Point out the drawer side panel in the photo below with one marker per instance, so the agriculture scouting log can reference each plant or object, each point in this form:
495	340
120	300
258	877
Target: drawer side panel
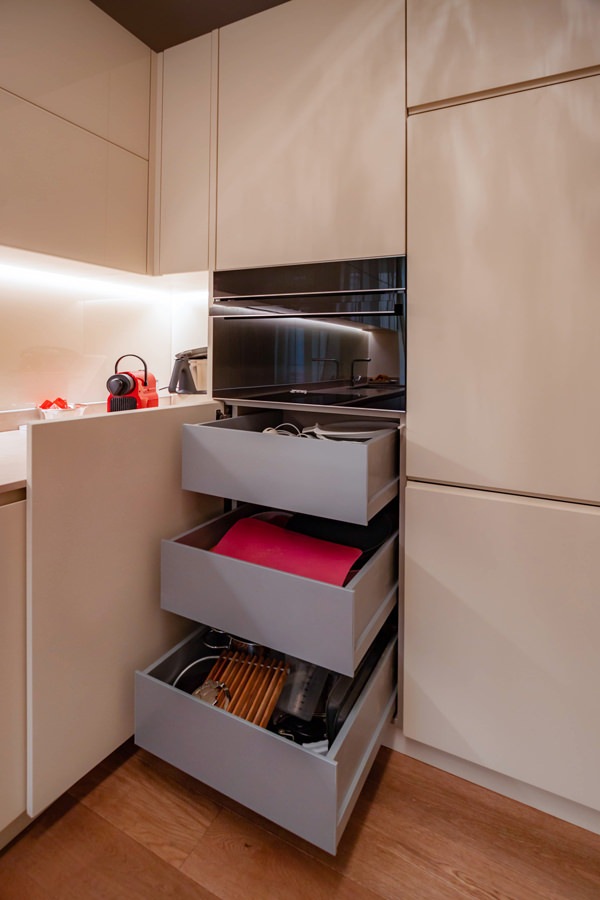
358	742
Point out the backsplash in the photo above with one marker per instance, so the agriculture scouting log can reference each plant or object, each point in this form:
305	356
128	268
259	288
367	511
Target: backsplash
64	324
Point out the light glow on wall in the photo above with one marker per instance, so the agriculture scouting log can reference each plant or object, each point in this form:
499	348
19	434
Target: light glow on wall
47	279
65	323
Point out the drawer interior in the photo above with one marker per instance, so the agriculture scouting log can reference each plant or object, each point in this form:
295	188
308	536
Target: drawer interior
246	459
313	712
308	792
329	624
366	538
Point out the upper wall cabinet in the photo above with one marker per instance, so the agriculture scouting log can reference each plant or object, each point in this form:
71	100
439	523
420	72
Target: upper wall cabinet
70	58
459	47
67	192
184	191
311	134
503	319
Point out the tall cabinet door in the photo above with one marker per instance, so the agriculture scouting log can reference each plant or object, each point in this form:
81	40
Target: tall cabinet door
502	632
311	133
185	159
503	319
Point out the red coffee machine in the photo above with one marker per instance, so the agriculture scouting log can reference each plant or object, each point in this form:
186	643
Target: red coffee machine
131	390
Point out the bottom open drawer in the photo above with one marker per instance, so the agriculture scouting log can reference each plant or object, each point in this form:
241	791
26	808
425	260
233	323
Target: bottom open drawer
309	794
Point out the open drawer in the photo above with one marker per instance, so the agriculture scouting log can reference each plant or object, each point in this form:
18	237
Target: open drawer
309	794
321	623
349	480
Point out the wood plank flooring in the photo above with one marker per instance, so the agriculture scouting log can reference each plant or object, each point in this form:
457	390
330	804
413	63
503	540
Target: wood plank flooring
137	828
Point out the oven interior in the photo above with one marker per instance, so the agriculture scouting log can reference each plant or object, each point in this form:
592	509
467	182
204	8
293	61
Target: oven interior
326	334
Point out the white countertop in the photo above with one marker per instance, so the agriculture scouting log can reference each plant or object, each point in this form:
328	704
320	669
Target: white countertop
13	443
13	460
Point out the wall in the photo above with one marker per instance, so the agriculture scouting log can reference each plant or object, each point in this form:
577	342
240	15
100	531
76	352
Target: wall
64	324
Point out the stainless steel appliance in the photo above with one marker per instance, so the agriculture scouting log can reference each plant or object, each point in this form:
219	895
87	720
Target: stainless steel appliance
189	372
325	334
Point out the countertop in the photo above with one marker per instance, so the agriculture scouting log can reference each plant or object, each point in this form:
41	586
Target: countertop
13	442
13	460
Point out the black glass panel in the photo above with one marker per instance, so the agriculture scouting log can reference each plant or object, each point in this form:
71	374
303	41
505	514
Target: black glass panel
345	275
311	326
310	305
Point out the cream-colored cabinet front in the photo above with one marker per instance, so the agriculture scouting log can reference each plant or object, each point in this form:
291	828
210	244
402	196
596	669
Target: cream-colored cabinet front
12	662
67	192
311	134
94	581
70	58
465	46
503	318
502	631
185	157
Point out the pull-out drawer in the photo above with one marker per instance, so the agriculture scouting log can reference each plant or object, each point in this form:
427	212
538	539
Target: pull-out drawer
322	623
309	794
349	480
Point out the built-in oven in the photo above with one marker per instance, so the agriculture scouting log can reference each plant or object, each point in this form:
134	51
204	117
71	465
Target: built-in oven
326	334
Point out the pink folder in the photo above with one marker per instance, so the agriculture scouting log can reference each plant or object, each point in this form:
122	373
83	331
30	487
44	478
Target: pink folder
256	541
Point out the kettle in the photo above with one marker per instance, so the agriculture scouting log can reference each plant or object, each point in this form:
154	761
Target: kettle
189	372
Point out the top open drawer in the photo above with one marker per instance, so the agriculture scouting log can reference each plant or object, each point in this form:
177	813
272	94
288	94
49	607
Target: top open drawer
349	480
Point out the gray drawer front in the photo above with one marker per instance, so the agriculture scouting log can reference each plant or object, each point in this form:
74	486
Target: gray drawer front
324	624
346	480
308	794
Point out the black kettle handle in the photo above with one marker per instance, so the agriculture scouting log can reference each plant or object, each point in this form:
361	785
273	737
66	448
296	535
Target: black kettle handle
135	357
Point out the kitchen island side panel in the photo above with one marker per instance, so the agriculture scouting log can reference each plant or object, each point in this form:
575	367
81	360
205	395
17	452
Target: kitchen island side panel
102	493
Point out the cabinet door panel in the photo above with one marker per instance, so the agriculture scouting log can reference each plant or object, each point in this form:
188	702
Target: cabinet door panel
69	193
502	631
72	59
311	133
126	219
503	319
93	612
184	193
12	662
474	45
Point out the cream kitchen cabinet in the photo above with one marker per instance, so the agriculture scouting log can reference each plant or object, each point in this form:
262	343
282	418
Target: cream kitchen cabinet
504	324
12	662
94	580
67	192
477	45
311	134
307	793
502	631
71	59
185	157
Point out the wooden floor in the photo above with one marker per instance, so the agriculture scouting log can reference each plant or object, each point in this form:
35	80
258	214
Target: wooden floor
137	828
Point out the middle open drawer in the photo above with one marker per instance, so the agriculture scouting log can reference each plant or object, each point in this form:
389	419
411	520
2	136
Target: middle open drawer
321	623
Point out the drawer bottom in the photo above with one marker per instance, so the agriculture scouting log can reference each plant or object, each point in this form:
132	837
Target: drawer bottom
306	793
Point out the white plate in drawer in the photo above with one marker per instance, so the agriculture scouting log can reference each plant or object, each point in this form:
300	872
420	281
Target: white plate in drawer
336	479
309	794
324	624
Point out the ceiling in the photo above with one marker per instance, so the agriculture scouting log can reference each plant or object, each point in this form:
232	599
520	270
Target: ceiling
164	23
